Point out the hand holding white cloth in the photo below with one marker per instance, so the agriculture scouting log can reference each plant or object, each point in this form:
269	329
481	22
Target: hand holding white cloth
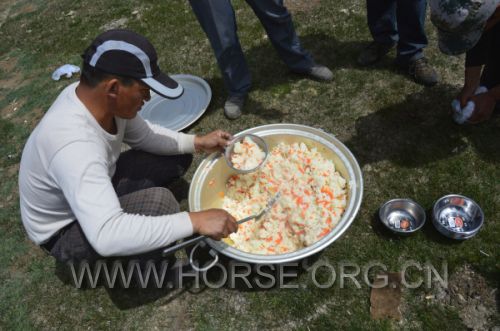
461	115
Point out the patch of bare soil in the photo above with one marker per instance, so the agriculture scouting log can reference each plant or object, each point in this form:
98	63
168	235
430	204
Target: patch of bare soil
30	119
12	81
6	10
14	78
13	170
116	24
11	109
295	6
469	293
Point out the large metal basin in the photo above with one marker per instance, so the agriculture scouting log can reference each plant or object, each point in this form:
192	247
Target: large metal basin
212	174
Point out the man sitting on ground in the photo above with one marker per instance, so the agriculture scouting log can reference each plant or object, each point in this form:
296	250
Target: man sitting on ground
80	198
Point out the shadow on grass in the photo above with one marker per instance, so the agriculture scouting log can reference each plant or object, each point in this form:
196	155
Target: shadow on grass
124	297
268	70
258	109
339	54
419	131
218	95
130	298
227	274
252	106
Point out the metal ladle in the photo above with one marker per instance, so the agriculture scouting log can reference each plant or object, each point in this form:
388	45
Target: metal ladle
228	151
192	241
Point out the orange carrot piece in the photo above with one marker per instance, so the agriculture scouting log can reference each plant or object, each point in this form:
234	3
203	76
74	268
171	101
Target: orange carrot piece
327	190
324	232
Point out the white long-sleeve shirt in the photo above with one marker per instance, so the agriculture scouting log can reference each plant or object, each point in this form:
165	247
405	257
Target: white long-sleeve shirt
65	175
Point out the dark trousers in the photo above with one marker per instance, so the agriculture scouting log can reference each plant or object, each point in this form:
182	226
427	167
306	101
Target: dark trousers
401	22
140	181
217	18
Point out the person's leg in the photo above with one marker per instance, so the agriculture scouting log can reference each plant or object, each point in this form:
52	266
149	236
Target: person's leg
412	39
137	170
381	17
218	20
72	247
277	21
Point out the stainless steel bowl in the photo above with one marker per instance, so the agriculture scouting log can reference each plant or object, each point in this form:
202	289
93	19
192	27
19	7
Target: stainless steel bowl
211	176
402	216
257	140
457	216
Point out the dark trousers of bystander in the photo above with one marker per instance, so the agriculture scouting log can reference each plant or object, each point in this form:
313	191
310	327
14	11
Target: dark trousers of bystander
399	22
218	20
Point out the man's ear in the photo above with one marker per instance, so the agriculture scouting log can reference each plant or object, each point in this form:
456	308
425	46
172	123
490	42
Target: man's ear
112	88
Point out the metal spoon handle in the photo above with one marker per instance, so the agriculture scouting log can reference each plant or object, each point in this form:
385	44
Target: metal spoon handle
248	218
192	241
186	243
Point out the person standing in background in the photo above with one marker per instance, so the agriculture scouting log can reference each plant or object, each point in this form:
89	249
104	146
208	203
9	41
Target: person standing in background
399	22
217	18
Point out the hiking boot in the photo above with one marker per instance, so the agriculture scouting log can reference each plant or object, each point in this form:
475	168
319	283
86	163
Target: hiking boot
373	53
422	72
234	106
320	72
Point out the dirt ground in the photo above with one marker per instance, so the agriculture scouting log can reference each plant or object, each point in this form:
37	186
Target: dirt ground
470	294
301	5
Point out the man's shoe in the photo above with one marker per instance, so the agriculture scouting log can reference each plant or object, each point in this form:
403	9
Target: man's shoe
233	107
320	72
373	53
422	72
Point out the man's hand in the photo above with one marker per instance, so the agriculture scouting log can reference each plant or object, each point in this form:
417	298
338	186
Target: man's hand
465	95
214	223
484	106
212	142
471	83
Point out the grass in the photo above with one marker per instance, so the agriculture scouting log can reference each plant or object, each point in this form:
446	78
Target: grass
400	133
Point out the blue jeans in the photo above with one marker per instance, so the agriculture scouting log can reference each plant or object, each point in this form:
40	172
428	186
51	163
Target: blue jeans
217	18
401	22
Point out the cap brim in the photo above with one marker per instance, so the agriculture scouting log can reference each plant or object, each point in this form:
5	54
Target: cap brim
458	43
164	86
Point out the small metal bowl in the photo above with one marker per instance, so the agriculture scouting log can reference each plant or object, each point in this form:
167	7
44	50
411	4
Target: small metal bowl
256	139
457	217
402	216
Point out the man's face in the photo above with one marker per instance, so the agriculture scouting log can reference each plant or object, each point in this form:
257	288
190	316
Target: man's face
131	99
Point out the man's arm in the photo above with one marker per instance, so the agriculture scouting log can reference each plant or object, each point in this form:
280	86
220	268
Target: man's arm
84	180
471	83
155	139
475	59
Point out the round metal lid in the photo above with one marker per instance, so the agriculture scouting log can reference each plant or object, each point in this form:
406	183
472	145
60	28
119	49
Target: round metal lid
178	114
